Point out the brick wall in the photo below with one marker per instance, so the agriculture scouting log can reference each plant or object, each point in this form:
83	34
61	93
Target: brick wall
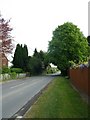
3	60
80	78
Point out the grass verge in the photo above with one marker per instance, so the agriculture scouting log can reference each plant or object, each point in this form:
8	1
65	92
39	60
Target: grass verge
59	100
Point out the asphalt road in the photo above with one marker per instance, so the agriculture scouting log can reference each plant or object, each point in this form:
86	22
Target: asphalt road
16	93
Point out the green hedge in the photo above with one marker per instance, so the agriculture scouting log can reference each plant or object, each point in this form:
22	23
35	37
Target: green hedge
5	70
11	70
13	75
17	70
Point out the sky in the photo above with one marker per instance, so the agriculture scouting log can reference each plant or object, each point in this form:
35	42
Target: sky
33	21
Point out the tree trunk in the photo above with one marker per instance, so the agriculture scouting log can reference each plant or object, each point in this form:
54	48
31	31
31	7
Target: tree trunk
65	72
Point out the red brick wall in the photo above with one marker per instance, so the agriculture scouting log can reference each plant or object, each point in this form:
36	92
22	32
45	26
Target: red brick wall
3	60
80	78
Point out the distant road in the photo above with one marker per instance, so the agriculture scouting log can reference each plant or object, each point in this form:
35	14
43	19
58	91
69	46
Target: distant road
16	93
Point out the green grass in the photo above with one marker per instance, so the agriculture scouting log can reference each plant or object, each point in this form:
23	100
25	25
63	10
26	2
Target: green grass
59	100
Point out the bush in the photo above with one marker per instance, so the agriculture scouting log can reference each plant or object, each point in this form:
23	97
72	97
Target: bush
16	70
5	70
13	75
35	66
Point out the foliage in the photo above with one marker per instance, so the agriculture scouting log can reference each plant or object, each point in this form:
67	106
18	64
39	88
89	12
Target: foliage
38	62
20	59
5	36
16	70
36	54
35	66
25	57
68	44
13	75
88	39
5	70
11	70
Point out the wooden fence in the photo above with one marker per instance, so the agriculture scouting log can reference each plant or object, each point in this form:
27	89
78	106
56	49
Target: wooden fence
80	78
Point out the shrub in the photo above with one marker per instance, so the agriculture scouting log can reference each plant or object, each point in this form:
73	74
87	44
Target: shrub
5	70
16	70
13	75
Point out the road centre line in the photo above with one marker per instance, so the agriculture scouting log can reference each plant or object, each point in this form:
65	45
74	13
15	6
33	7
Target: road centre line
25	82
17	85
16	91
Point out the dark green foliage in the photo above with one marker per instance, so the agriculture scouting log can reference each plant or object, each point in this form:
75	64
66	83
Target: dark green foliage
16	70
88	39
36	54
25	57
20	59
67	44
37	63
17	59
43	57
35	66
5	70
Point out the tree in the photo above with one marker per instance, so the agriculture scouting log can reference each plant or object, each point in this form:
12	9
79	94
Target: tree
17	59
25	57
20	59
5	36
44	58
68	44
37	63
35	53
88	39
34	66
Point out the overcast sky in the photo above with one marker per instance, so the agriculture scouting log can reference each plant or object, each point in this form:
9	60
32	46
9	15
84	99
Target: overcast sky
34	20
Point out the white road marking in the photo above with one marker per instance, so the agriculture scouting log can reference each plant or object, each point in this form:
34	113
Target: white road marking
20	92
19	116
17	85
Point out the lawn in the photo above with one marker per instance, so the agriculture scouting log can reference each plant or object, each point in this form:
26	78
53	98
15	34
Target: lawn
59	100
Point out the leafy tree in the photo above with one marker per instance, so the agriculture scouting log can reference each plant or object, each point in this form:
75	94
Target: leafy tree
68	44
38	62
5	36
34	65
44	59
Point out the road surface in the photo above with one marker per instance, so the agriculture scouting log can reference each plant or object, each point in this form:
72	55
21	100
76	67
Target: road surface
16	93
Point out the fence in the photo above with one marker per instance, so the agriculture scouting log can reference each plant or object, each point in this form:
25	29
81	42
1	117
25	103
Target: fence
80	78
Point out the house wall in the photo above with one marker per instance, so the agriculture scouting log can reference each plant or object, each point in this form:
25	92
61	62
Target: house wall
3	60
0	61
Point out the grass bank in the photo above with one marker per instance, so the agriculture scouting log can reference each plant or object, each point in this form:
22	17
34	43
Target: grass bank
59	100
